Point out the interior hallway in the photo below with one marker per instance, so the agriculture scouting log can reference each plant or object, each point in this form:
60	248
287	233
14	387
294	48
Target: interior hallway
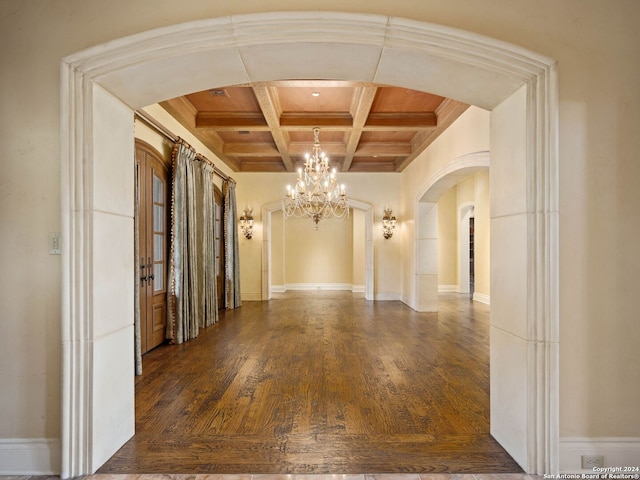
320	382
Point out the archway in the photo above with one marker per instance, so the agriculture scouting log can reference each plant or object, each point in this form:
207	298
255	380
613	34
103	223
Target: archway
269	208
103	85
426	270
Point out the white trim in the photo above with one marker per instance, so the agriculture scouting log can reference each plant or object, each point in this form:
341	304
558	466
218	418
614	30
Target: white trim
318	286
482	298
447	288
30	456
386	297
278	288
617	452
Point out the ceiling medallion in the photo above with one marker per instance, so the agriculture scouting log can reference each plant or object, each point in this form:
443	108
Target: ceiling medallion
316	193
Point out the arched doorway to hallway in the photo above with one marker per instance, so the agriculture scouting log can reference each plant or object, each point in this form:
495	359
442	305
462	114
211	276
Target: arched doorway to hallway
102	86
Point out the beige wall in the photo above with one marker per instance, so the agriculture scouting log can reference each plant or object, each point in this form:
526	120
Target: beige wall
448	240
257	190
475	190
318	256
358	268
482	235
594	42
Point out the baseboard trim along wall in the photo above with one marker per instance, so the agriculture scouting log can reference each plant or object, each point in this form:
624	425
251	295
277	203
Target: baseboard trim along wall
617	452
387	297
30	456
482	298
447	288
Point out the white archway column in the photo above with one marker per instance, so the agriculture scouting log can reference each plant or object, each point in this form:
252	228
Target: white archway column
524	345
98	387
427	257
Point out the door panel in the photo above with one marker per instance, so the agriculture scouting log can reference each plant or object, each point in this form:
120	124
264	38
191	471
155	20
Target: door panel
153	177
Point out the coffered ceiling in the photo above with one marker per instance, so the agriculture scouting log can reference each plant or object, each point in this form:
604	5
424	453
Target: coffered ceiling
268	127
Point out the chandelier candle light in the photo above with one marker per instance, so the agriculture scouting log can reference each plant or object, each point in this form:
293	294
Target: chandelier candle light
316	193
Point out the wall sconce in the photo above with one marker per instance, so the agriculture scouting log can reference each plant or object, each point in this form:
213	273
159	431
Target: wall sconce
246	223
388	223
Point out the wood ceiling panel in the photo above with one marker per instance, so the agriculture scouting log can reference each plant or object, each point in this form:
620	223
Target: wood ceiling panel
302	100
245	136
383	136
402	100
267	126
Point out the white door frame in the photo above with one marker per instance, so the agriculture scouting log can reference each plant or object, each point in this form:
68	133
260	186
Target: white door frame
401	52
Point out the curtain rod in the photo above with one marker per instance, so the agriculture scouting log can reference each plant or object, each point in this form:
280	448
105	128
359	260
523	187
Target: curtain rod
150	121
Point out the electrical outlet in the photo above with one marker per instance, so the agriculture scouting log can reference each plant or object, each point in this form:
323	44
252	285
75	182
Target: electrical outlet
591	461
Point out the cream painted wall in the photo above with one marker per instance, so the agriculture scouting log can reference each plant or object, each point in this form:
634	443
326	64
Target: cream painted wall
358	270
598	143
482	235
322	256
473	189
469	134
277	249
448	240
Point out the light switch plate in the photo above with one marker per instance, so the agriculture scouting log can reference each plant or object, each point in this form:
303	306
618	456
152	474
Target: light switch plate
54	244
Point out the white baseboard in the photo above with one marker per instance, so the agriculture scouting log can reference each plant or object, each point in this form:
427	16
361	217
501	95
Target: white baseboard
30	456
616	452
278	289
317	286
447	288
357	288
482	298
387	296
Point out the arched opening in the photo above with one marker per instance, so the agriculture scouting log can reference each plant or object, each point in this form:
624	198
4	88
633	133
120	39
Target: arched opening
267	211
102	86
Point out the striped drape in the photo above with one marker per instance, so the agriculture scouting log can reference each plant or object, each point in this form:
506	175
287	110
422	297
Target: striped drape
192	276
232	256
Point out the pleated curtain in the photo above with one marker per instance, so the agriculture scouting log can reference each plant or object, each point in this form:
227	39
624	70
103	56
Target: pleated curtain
232	257
192	275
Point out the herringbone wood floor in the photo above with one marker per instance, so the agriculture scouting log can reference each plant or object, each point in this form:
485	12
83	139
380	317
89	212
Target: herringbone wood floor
320	382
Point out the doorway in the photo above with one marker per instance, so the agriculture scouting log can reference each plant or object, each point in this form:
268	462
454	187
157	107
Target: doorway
152	187
390	50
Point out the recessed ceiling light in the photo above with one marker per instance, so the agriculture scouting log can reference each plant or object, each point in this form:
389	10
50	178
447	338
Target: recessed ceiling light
315	94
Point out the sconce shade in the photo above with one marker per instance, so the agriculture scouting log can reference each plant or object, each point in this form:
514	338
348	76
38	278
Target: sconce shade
246	223
388	223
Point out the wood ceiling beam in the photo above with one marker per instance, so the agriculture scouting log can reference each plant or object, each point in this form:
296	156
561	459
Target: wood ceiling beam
184	112
399	121
360	110
251	150
310	120
383	149
329	148
271	110
447	112
231	121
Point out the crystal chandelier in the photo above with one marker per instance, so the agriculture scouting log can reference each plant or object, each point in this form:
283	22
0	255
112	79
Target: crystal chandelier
316	193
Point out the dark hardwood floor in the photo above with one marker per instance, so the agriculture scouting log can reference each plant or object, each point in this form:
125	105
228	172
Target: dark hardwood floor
320	382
